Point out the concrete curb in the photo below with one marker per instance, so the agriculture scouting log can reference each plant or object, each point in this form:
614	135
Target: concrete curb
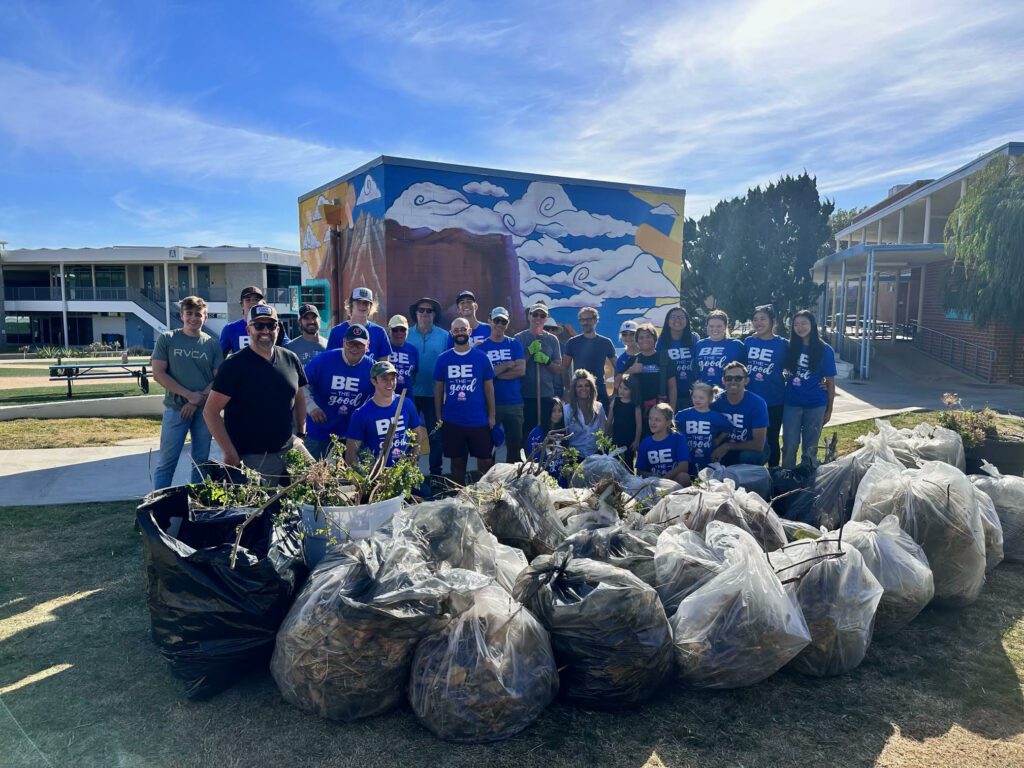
101	407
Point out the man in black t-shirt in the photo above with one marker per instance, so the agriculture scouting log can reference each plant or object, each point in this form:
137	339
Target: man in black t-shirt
589	351
259	390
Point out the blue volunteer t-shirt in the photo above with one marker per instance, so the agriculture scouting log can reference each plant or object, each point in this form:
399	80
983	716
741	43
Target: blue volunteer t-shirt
476	336
711	357
660	456
339	389
700	431
804	387
766	359
406	360
506	391
681	357
463	376
234	337
380	344
749	414
370	424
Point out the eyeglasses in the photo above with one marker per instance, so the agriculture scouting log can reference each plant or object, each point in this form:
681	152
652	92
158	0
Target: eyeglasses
733	378
424	310
399	330
538	314
628	333
500	321
271	326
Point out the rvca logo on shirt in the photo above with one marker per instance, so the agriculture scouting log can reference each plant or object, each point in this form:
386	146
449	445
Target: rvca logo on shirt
196	354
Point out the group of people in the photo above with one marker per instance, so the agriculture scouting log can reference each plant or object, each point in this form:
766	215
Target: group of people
469	388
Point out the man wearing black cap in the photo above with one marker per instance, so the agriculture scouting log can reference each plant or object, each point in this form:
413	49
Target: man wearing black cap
234	336
466	306
310	343
430	340
256	410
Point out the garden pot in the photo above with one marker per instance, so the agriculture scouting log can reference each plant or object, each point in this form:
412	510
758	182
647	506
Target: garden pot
343	523
1006	455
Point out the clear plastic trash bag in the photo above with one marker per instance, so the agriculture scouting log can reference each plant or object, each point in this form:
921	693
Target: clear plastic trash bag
1007	493
629	548
682	563
925	442
993	529
754	478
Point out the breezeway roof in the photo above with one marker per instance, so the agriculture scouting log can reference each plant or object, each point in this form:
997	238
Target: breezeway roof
887	258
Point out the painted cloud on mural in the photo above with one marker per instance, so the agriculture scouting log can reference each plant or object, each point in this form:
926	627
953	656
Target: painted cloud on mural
665	210
370	191
484	188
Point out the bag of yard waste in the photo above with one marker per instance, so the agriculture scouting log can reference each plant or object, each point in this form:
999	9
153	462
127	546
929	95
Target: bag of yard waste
835	483
1007	494
925	442
838	595
900	566
214	623
740	626
619	545
516	507
611	638
597	467
993	529
793	494
487	675
345	648
936	505
682	563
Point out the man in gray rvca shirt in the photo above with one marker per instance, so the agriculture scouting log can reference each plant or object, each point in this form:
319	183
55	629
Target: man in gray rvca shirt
543	355
184	363
310	343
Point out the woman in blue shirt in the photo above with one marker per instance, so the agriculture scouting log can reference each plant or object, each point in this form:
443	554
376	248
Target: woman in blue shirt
717	350
766	359
678	341
810	391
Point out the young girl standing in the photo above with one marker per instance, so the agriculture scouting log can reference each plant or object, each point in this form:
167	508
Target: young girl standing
624	420
810	362
717	350
702	427
664	453
766	359
550	459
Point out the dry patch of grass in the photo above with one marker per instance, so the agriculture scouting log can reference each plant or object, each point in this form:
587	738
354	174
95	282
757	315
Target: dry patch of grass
73	433
88	688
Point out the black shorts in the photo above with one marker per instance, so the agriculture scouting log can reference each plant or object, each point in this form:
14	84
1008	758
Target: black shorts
457	441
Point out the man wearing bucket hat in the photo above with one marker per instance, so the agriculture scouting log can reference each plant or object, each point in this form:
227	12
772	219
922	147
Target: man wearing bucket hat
371	421
234	337
360	308
404	356
339	382
256	410
429	340
543	369
509	361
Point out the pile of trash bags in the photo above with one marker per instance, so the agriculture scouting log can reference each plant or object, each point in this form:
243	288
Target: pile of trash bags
1007	495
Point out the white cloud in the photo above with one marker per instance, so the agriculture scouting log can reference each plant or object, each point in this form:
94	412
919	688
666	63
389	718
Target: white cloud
484	187
655	315
665	210
597	274
369	192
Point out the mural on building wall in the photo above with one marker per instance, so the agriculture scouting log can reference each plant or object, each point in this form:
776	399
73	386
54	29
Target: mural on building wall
511	241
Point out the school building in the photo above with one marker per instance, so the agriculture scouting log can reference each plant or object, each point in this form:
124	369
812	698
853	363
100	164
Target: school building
127	294
885	283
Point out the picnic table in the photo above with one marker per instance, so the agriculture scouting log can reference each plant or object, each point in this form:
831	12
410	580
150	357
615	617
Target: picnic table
77	371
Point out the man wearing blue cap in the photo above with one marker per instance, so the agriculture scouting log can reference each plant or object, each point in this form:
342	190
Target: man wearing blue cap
509	361
371	421
339	382
360	307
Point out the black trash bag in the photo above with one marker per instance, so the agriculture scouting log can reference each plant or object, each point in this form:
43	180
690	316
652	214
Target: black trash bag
612	640
839	597
345	648
214	623
794	496
487	675
627	548
518	509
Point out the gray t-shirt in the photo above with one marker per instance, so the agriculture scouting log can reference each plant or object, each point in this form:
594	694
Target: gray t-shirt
191	361
307	350
549	346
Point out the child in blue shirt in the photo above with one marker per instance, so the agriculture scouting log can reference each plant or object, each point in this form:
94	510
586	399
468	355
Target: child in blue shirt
703	428
665	453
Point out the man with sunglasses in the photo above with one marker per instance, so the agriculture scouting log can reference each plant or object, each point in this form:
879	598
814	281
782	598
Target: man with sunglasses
748	414
429	340
543	369
509	361
256	410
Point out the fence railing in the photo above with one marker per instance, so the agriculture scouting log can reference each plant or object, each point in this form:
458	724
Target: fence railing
967	356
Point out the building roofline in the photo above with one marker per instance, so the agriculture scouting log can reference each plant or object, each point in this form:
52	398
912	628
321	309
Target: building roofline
482	171
1009	148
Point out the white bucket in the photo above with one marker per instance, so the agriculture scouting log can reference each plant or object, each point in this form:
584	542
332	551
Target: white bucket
341	524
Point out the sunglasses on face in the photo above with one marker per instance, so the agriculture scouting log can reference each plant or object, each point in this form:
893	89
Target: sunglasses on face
538	314
271	326
399	330
500	321
733	378
424	310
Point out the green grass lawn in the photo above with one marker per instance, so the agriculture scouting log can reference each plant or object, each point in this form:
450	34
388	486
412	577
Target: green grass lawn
9	371
83	685
57	391
73	433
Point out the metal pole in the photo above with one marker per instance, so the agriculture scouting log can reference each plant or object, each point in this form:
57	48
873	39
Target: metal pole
64	308
842	309
167	299
869	286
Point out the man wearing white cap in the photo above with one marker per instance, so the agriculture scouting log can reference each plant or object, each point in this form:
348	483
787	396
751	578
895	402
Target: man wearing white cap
404	356
360	307
543	369
509	361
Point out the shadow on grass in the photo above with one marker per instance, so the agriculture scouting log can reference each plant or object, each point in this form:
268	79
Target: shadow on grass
118	703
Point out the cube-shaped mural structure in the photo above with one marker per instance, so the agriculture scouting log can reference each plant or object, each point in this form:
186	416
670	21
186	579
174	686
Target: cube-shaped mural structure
408	228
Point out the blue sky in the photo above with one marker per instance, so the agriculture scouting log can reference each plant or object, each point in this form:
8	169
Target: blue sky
201	122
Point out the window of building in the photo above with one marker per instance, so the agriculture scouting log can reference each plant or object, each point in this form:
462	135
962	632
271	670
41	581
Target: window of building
281	277
110	276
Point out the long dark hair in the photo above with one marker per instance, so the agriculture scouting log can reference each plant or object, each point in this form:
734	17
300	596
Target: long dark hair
665	339
815	346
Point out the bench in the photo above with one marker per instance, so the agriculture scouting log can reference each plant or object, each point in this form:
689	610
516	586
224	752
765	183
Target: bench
76	371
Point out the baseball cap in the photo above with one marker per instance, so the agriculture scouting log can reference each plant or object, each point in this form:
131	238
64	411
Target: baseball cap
357	332
362	294
398	321
465	295
540	306
305	309
252	290
381	367
628	325
262	310
499	312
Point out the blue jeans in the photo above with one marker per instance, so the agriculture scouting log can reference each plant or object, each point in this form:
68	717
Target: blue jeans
425	405
801	426
172	438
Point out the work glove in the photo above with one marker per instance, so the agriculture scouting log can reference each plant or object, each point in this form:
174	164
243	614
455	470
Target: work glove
540	358
534	347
